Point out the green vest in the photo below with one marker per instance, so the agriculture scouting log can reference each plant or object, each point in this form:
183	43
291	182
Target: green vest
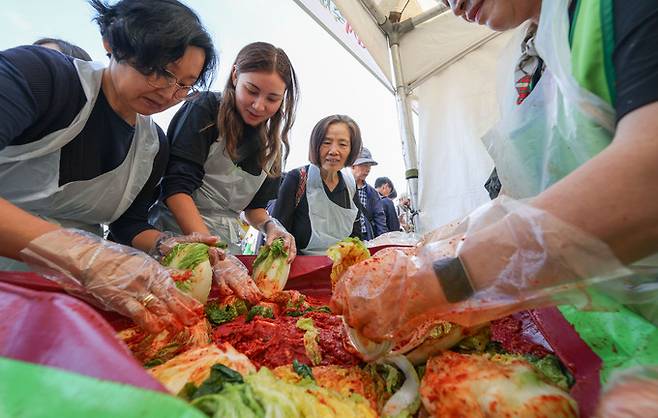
617	335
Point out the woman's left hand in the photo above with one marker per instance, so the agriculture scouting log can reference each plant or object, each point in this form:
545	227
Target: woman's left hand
273	230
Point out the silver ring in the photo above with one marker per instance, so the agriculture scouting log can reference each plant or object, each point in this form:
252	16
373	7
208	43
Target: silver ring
147	299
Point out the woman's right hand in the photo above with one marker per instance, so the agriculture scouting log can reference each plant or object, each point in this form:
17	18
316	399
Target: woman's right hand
167	241
114	276
233	277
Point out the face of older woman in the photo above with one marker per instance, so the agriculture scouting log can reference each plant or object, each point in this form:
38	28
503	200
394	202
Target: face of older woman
130	91
335	147
498	15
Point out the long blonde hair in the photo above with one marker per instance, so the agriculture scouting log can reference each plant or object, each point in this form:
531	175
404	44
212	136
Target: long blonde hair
261	57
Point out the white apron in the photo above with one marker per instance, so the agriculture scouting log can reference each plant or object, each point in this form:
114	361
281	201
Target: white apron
225	191
557	128
29	173
330	222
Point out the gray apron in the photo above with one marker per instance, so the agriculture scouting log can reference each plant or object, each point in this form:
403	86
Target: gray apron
225	191
330	222
29	173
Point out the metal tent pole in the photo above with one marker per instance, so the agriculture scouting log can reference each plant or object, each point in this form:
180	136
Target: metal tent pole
409	148
394	31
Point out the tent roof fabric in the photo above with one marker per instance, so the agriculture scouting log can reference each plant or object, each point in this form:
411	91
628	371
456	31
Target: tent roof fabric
428	46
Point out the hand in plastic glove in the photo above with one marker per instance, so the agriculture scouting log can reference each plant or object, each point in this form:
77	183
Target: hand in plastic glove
272	229
114	276
167	241
506	256
379	296
233	277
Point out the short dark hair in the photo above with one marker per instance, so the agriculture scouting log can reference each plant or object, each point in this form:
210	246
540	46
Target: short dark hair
382	181
149	34
66	48
320	131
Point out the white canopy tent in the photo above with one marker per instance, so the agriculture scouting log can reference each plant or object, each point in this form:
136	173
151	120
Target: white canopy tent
421	52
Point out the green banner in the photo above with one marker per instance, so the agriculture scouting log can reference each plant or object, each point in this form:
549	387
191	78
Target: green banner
33	391
619	336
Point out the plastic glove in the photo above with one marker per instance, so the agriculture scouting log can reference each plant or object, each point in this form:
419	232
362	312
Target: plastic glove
112	276
233	277
631	393
518	257
272	229
168	240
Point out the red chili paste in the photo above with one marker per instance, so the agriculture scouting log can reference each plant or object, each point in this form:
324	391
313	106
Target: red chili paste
277	342
518	334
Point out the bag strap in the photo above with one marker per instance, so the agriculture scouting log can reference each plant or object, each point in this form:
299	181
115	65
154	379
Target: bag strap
301	187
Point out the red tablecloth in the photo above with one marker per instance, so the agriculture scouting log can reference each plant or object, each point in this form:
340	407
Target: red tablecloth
42	325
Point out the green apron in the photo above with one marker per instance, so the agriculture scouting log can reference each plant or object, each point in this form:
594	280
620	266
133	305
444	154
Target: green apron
566	120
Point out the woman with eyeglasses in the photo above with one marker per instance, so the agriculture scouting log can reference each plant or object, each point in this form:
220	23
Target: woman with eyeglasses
78	149
228	149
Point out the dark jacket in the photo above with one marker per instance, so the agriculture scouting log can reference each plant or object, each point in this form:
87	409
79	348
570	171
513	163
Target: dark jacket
392	221
374	213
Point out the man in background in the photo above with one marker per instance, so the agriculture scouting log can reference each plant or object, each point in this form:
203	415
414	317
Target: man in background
405	213
371	215
385	188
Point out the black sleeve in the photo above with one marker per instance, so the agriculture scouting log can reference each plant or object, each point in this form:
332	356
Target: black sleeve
191	132
181	176
284	208
635	56
267	191
40	92
135	219
379	217
392	222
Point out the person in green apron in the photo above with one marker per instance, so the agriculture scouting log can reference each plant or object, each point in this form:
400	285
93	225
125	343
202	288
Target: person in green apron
228	150
578	141
78	149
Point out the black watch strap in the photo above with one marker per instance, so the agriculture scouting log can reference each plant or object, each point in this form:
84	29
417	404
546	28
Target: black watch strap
453	279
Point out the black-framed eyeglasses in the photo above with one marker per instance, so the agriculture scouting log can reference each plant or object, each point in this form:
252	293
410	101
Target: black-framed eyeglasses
167	79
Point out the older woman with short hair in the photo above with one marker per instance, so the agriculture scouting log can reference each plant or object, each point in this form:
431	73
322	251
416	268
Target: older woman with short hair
316	203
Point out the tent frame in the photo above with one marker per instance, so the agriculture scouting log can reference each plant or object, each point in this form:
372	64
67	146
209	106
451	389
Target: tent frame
394	30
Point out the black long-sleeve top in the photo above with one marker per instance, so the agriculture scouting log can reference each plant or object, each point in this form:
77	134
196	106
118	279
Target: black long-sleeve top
40	93
191	133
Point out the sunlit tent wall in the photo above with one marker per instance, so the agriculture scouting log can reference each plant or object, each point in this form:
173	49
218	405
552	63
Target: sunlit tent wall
449	66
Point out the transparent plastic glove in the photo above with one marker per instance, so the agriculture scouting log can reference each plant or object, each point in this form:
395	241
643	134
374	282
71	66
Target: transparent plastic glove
518	257
112	276
631	393
272	229
233	277
168	240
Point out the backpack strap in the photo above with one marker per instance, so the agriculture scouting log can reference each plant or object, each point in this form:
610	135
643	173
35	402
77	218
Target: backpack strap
301	187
